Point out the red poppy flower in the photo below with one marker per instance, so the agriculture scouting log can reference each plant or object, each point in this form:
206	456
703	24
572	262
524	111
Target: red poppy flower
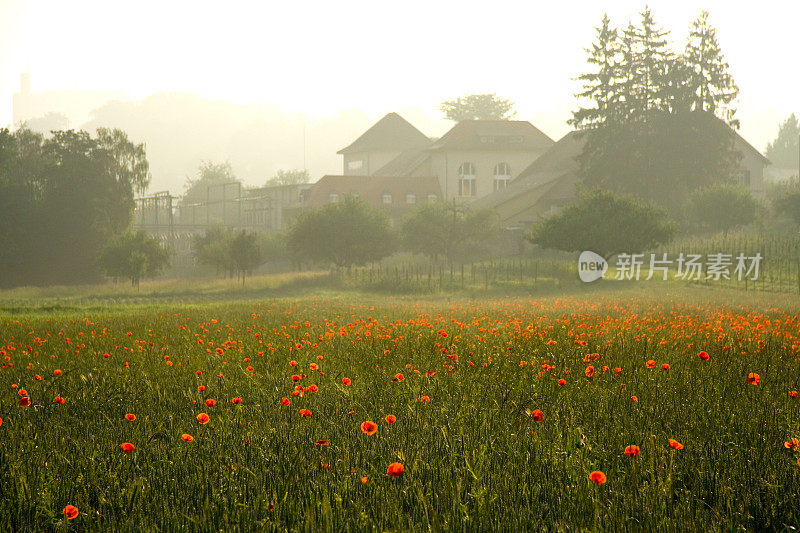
285	402
25	401
675	444
597	477
211	402
346	381
199	372
127	447
425	399
792	394
651	363
390	419
537	415
187	438
201	388
632	450
203	418
57	372
295	377
70	511
305	413
293	363
364	480
250	369
313	388
589	371
322	443
703	355
395	470
562	382
1	421
634	398
59	400
792	444
665	366
753	378
399	377
369	427
236	401
130	417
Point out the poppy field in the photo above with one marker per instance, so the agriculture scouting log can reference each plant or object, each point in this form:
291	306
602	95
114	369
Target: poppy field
626	410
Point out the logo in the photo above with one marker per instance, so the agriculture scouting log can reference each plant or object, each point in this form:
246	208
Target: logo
591	266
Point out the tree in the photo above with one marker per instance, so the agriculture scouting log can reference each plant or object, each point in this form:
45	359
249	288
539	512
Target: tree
712	86
644	131
345	233
784	150
290	177
606	223
247	251
722	207
50	121
478	107
209	175
234	252
134	256
213	249
449	230
62	198
787	200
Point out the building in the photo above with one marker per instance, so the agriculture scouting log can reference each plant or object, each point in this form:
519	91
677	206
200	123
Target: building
550	182
472	160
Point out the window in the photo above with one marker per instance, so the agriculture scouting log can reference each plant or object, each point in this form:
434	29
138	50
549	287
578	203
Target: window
411	198
466	181
502	175
387	198
333	198
743	177
355	165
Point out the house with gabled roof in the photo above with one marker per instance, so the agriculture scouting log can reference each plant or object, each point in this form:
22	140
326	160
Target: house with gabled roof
473	159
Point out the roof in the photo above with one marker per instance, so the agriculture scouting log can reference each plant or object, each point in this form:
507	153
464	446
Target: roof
493	135
372	188
404	164
392	132
556	163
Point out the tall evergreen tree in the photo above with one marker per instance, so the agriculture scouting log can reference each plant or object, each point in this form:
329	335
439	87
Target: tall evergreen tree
712	85
648	62
784	150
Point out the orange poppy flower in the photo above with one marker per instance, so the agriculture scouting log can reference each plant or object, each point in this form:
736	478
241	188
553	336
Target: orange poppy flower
285	402
675	444
364	480
753	378
399	377
425	399
390	419
537	415
295	377
634	398
25	401
632	450
1	421
665	366
130	417
57	372
187	438
562	382
203	418
589	371
703	355
792	394
597	477
346	381
395	470
59	400
305	413
651	363
798	461
201	388
127	447
322	443
292	363
70	511
792	444
211	402
369	427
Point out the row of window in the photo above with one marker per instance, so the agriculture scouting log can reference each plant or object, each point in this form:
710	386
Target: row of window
386	198
466	178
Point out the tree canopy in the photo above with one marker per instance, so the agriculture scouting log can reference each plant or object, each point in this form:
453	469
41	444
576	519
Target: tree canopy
290	177
134	256
62	198
654	121
784	150
606	223
721	207
344	233
478	107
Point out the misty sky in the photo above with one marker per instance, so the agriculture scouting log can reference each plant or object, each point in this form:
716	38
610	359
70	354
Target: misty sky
321	57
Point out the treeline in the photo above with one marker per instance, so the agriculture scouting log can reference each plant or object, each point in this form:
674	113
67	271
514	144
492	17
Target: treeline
64	200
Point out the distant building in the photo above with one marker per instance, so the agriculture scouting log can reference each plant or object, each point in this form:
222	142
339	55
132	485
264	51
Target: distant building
549	183
395	195
77	106
472	160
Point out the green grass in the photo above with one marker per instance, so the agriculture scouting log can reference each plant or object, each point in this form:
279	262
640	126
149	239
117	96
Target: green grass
474	458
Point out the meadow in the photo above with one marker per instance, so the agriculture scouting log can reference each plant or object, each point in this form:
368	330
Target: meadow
640	409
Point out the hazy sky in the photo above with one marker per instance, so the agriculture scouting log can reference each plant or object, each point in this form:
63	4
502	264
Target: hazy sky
320	57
